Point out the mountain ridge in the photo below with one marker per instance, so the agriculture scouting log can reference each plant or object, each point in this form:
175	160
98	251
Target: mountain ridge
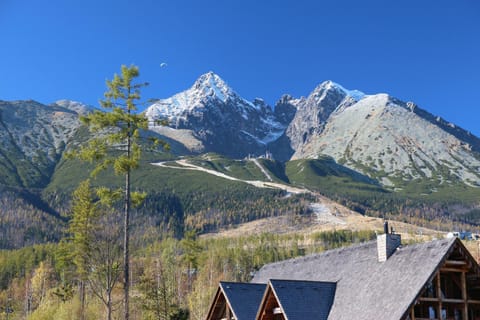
373	153
297	128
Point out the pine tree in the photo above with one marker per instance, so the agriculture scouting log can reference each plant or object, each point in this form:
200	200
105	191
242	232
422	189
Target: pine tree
82	226
94	249
117	145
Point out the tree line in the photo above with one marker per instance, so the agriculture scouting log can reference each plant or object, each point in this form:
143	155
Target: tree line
170	279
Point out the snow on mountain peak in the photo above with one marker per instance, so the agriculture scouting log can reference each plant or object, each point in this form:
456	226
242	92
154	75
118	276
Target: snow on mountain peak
211	85
330	85
208	89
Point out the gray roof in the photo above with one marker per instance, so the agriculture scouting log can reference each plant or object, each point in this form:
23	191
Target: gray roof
301	300
366	288
244	298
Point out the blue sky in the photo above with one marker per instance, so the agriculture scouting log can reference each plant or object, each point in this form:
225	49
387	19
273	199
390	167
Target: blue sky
423	51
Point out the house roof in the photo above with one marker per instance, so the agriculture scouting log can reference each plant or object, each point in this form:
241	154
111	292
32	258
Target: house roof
366	288
301	300
243	298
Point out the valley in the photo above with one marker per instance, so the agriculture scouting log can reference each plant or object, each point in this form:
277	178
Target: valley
243	184
233	161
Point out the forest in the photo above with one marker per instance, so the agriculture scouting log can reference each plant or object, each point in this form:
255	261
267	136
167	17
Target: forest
112	236
171	278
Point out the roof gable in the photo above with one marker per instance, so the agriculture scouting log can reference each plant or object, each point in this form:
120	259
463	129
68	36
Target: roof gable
304	299
455	279
243	298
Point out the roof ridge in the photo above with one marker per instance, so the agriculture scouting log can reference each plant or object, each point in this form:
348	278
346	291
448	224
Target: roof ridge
299	281
324	253
349	248
427	243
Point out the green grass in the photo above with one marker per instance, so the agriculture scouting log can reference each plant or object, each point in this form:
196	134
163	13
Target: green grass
193	199
327	176
147	177
241	169
442	187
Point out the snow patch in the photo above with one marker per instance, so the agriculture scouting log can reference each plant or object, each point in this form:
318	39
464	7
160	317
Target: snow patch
355	94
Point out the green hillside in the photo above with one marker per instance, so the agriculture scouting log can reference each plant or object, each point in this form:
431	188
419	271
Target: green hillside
180	199
184	199
244	169
326	176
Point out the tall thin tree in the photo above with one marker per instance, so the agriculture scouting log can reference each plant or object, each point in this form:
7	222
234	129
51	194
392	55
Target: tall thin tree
117	144
96	249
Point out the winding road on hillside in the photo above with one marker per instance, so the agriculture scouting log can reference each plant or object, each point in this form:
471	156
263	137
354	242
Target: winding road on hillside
265	173
184	165
322	210
328	214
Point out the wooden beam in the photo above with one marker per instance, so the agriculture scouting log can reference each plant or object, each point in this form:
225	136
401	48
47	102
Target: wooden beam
459	270
439	295
426	299
267	316
458	301
228	313
412	313
464	295
456	262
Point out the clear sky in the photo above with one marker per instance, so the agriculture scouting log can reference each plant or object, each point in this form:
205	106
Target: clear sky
426	51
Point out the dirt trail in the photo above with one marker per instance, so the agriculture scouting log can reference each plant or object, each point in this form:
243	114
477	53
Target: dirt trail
265	173
184	165
327	214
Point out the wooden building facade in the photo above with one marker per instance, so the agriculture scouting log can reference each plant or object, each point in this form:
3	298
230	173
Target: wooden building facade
453	292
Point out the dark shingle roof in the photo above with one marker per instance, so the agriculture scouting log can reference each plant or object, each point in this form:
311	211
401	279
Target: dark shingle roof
301	300
366	288
244	298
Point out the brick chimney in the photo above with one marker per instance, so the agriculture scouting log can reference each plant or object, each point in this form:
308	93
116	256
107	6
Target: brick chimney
387	243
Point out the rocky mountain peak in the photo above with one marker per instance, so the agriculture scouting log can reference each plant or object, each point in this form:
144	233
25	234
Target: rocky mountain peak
286	98
330	87
211	85
285	108
217	117
35	136
208	89
75	106
260	104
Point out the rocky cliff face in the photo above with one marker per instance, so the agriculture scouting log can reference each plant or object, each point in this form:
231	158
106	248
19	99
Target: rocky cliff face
378	135
387	139
210	116
391	141
306	117
33	138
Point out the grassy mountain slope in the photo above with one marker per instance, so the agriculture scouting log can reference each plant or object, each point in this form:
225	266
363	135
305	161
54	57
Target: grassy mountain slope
183	199
245	169
34	138
324	174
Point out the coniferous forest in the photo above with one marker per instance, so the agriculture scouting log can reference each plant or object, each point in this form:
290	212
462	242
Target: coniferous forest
109	233
170	279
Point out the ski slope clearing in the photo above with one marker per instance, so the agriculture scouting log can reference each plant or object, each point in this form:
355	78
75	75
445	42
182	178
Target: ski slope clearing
184	165
326	214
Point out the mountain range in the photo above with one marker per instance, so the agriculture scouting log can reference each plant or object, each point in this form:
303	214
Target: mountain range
378	135
374	153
